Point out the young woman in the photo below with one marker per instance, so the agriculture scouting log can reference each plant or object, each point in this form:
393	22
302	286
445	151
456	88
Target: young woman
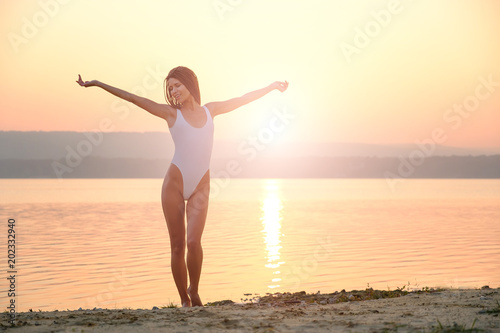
186	185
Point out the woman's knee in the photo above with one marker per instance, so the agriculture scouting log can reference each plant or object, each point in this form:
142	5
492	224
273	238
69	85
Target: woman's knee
193	244
178	248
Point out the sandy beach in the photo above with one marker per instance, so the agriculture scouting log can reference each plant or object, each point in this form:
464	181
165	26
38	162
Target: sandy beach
355	311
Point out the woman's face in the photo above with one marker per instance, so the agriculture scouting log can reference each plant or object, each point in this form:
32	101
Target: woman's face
177	90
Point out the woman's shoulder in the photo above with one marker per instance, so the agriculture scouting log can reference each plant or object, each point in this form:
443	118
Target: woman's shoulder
210	107
170	114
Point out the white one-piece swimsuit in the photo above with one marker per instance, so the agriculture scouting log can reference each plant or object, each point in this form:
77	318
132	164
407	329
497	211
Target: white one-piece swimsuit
193	149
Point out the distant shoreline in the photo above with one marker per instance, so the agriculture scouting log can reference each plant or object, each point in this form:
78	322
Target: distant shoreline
438	167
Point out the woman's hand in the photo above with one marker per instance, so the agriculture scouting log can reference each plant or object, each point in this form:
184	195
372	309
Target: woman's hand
281	86
86	83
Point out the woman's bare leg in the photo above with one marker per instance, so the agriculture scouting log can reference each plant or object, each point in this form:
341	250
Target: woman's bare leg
196	212
173	208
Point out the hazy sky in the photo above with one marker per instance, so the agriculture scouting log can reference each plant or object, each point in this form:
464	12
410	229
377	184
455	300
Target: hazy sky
360	71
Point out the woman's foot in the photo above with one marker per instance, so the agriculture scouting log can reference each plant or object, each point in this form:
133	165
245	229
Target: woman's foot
195	298
186	302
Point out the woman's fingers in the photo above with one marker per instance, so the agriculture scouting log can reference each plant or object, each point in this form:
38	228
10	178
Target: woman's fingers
80	81
282	86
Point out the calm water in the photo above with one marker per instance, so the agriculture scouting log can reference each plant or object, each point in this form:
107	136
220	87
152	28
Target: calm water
104	243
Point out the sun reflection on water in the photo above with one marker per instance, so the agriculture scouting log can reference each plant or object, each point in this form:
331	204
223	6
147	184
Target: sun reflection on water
271	221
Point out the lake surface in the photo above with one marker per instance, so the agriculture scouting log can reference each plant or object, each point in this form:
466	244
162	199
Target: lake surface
104	243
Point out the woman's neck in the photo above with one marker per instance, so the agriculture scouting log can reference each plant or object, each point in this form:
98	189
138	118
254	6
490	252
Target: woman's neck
190	105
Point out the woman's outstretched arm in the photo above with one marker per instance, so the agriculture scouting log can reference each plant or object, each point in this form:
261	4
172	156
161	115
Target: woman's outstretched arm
160	110
234	103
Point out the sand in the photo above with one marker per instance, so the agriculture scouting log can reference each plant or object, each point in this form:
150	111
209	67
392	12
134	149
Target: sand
429	311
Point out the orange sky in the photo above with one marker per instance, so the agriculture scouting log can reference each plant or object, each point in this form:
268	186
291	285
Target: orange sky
369	72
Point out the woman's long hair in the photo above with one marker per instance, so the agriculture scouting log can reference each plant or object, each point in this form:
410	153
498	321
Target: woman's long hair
188	79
